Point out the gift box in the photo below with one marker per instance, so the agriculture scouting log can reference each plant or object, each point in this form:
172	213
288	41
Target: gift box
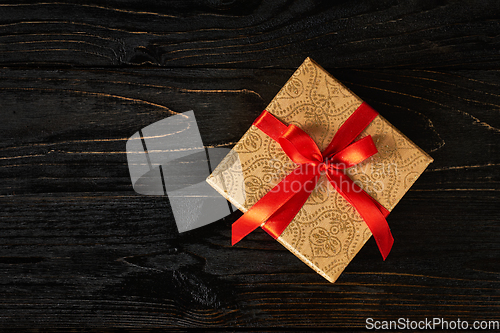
327	231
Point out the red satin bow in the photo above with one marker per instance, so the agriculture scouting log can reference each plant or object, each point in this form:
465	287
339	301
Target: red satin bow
280	205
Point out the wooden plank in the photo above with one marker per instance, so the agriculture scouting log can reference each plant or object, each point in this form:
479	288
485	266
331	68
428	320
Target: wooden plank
251	34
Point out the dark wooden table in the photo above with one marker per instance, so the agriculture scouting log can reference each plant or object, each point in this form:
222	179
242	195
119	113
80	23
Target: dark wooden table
80	249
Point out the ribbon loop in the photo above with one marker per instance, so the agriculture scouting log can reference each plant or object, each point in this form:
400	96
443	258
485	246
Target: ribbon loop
351	128
353	154
299	146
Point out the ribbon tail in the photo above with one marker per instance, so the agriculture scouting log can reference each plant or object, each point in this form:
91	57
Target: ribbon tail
269	204
280	220
382	209
371	212
377	223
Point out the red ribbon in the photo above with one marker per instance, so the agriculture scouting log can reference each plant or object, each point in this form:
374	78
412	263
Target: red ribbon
280	205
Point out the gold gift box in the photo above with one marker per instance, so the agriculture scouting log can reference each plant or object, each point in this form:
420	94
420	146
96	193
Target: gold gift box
327	232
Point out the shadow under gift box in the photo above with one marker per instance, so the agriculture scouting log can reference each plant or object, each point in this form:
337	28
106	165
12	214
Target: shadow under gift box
168	158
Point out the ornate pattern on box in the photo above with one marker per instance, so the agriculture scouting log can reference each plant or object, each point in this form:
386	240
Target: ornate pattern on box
327	232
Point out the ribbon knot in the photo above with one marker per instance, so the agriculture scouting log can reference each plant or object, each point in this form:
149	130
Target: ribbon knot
302	149
275	210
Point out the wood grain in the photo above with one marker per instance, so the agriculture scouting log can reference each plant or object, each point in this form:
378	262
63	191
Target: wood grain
255	34
79	249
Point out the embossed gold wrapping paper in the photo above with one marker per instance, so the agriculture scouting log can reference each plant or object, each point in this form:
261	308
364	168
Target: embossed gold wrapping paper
327	232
